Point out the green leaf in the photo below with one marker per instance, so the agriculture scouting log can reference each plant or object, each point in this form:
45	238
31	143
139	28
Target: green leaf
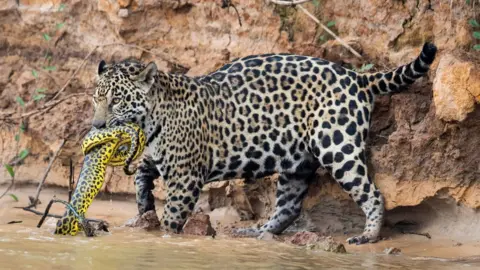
34	73
476	35
368	66
467	2
22	127
50	68
41	90
17	137
330	23
48	57
473	23
60	25
316	3
365	67
23	154
46	37
14	197
476	47
38	97
10	170
62	7
20	101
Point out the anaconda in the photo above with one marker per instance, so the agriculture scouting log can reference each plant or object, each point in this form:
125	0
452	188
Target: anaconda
115	146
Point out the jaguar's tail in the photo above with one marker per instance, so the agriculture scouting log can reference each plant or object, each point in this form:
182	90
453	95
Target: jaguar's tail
394	81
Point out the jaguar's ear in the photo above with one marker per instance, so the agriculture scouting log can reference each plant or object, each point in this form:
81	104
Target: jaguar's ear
102	67
147	75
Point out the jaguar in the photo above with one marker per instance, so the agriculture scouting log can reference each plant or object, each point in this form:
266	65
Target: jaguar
255	116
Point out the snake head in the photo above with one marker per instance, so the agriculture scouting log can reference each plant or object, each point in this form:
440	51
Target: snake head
127	171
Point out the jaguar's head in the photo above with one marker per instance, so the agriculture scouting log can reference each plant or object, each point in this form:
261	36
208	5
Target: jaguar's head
122	93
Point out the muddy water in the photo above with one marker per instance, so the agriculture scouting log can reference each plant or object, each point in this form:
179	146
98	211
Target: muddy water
23	246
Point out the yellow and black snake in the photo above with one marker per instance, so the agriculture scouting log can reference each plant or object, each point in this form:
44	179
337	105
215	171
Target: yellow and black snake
116	146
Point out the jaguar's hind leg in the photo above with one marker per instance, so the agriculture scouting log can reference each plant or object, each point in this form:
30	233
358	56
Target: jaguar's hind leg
291	189
350	171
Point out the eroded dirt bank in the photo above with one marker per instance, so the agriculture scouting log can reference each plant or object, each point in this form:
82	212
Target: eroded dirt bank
422	143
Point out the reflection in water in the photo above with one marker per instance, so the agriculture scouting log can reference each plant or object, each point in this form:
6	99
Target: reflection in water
28	248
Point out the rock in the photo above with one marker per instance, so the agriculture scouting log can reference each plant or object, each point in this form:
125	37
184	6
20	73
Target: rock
250	200
5	73
199	224
328	244
123	13
267	236
456	88
313	241
303	238
224	215
24	80
202	205
8	5
4	103
149	220
392	251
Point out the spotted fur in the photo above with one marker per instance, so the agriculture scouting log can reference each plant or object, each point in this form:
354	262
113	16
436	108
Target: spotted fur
258	115
117	146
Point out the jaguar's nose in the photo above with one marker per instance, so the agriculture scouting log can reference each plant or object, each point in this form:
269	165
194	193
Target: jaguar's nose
99	123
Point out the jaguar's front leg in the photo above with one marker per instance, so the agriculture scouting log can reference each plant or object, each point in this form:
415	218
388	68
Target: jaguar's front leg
146	174
183	193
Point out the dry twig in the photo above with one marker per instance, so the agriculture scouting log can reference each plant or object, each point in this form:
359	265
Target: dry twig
29	209
9	187
38	213
40	185
42	109
298	2
228	3
74	74
70	180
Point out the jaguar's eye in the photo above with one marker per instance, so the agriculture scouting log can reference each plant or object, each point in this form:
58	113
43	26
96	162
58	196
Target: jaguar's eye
116	100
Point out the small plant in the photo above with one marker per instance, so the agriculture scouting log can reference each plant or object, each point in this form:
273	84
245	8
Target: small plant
322	38
331	24
476	34
364	68
14	197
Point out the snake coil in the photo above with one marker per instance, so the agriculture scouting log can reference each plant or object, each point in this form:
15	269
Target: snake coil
115	146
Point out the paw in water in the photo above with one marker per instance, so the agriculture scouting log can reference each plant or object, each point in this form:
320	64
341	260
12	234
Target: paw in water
359	240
